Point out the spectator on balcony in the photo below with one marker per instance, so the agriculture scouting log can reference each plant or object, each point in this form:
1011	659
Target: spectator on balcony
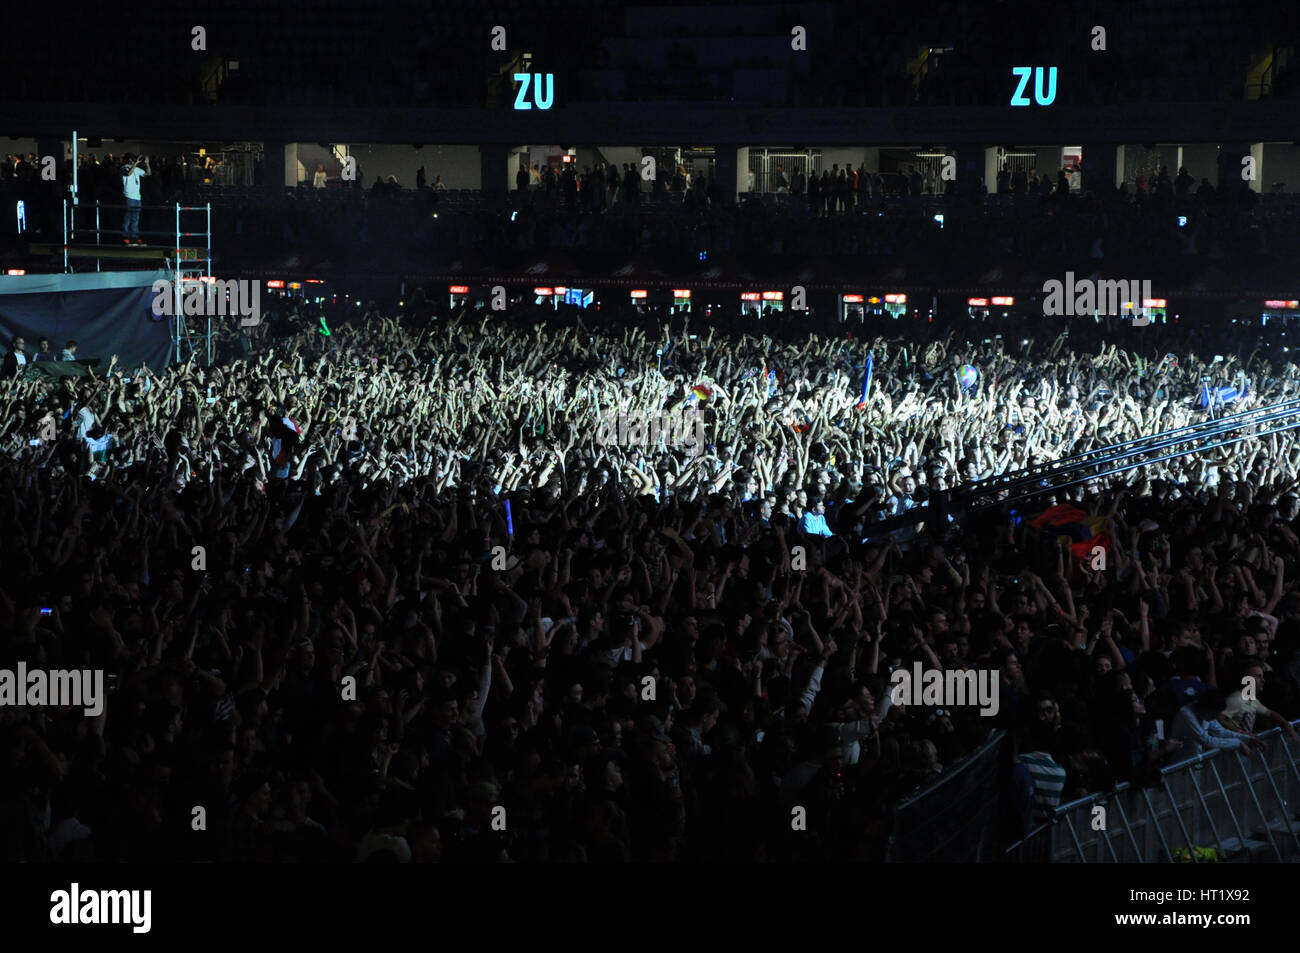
318	180
132	174
16	359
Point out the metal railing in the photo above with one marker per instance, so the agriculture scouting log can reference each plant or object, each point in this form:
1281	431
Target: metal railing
1219	806
1103	462
955	817
1110	460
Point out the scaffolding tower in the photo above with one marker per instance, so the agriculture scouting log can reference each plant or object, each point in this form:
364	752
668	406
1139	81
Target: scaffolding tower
187	256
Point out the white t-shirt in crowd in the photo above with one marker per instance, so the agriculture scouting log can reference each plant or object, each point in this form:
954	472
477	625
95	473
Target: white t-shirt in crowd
85	421
131	183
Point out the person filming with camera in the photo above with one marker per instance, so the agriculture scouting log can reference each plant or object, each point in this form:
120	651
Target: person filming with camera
134	169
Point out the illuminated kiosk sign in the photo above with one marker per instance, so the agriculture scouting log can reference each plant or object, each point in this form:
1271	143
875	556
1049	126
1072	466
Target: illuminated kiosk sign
1153	309
1279	309
981	307
895	305
852	306
578	296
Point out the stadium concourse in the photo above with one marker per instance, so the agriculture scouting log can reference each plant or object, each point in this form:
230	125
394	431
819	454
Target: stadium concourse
618	644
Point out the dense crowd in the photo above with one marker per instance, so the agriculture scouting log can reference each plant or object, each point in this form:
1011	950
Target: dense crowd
571	646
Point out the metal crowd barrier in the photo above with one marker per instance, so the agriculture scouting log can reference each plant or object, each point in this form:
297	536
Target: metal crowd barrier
1115	459
1220	806
954	818
1085	467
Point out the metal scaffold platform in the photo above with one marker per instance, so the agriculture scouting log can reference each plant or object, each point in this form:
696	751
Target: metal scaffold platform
185	250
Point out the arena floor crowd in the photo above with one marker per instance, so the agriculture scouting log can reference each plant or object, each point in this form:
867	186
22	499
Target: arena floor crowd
612	649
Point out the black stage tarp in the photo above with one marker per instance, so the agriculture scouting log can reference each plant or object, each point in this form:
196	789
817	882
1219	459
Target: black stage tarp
106	313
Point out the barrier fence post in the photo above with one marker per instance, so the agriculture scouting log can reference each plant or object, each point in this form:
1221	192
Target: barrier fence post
1128	827
1281	801
1268	831
1209	816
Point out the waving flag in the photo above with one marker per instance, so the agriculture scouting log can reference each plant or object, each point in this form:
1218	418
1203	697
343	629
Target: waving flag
282	446
1222	395
1084	532
866	379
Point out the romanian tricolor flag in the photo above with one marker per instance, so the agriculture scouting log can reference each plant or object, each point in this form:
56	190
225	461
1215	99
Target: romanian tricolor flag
1085	532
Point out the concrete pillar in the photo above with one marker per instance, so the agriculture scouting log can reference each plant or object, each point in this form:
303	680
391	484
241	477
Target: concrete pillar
1257	153
1230	167
291	164
279	165
498	177
1103	167
51	147
972	159
732	170
991	168
47	213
